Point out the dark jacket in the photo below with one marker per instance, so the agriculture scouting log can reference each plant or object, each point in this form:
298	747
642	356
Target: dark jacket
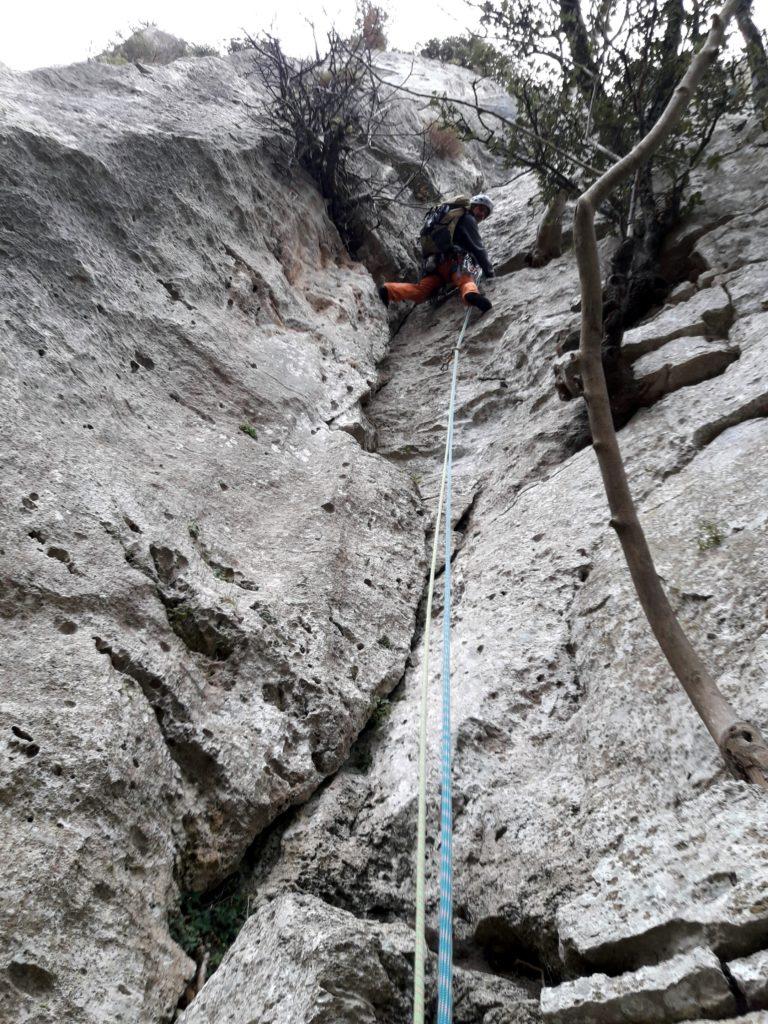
466	237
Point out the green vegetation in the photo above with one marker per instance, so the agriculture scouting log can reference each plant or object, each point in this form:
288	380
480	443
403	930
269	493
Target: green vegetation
711	535
202	50
361	759
249	429
178	615
469	51
209	923
193	528
380	713
319	112
587	81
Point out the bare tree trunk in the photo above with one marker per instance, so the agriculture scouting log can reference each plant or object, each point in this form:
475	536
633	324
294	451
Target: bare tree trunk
549	237
756	56
740	743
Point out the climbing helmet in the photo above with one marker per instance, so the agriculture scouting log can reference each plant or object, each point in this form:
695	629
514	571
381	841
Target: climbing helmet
482	200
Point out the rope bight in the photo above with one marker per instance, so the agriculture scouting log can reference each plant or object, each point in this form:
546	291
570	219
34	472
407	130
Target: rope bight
445	914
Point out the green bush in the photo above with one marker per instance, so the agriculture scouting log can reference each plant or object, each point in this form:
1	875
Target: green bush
202	50
711	535
208	923
468	51
380	713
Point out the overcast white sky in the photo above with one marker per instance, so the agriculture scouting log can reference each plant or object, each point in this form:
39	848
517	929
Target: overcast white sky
36	34
42	32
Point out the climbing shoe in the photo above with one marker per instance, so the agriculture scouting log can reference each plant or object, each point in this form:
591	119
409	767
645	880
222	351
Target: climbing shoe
384	295
479	302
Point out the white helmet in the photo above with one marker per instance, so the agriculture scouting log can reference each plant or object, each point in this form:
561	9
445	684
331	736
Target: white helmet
482	200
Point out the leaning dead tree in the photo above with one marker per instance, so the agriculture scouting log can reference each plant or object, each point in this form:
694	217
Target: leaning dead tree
743	748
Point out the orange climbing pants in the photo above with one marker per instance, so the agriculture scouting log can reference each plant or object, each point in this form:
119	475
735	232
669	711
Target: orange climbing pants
447	272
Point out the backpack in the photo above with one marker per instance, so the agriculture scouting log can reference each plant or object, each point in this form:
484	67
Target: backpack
439	225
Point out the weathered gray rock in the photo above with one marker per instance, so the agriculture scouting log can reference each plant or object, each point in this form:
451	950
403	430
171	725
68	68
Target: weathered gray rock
680	363
591	805
727	190
674	990
736	243
684	291
707	313
195	566
208	585
298	960
751	977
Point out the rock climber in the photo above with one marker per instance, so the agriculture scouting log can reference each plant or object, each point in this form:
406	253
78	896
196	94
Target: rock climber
453	252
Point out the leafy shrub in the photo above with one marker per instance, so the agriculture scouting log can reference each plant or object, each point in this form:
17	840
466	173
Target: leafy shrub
202	50
711	535
380	713
468	51
208	923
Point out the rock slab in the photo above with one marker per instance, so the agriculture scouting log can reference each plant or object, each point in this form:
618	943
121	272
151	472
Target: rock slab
676	990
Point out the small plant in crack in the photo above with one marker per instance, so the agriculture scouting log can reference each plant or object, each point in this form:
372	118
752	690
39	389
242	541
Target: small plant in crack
179	615
380	713
710	535
249	429
193	528
206	924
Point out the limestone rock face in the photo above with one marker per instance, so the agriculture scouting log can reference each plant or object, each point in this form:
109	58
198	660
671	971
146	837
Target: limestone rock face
707	312
220	475
299	959
680	363
670	991
751	976
206	588
595	827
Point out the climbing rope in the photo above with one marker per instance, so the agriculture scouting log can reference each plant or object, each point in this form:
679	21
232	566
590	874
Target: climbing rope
445	916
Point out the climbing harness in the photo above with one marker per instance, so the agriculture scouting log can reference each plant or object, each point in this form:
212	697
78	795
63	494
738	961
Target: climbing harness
467	264
445	915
